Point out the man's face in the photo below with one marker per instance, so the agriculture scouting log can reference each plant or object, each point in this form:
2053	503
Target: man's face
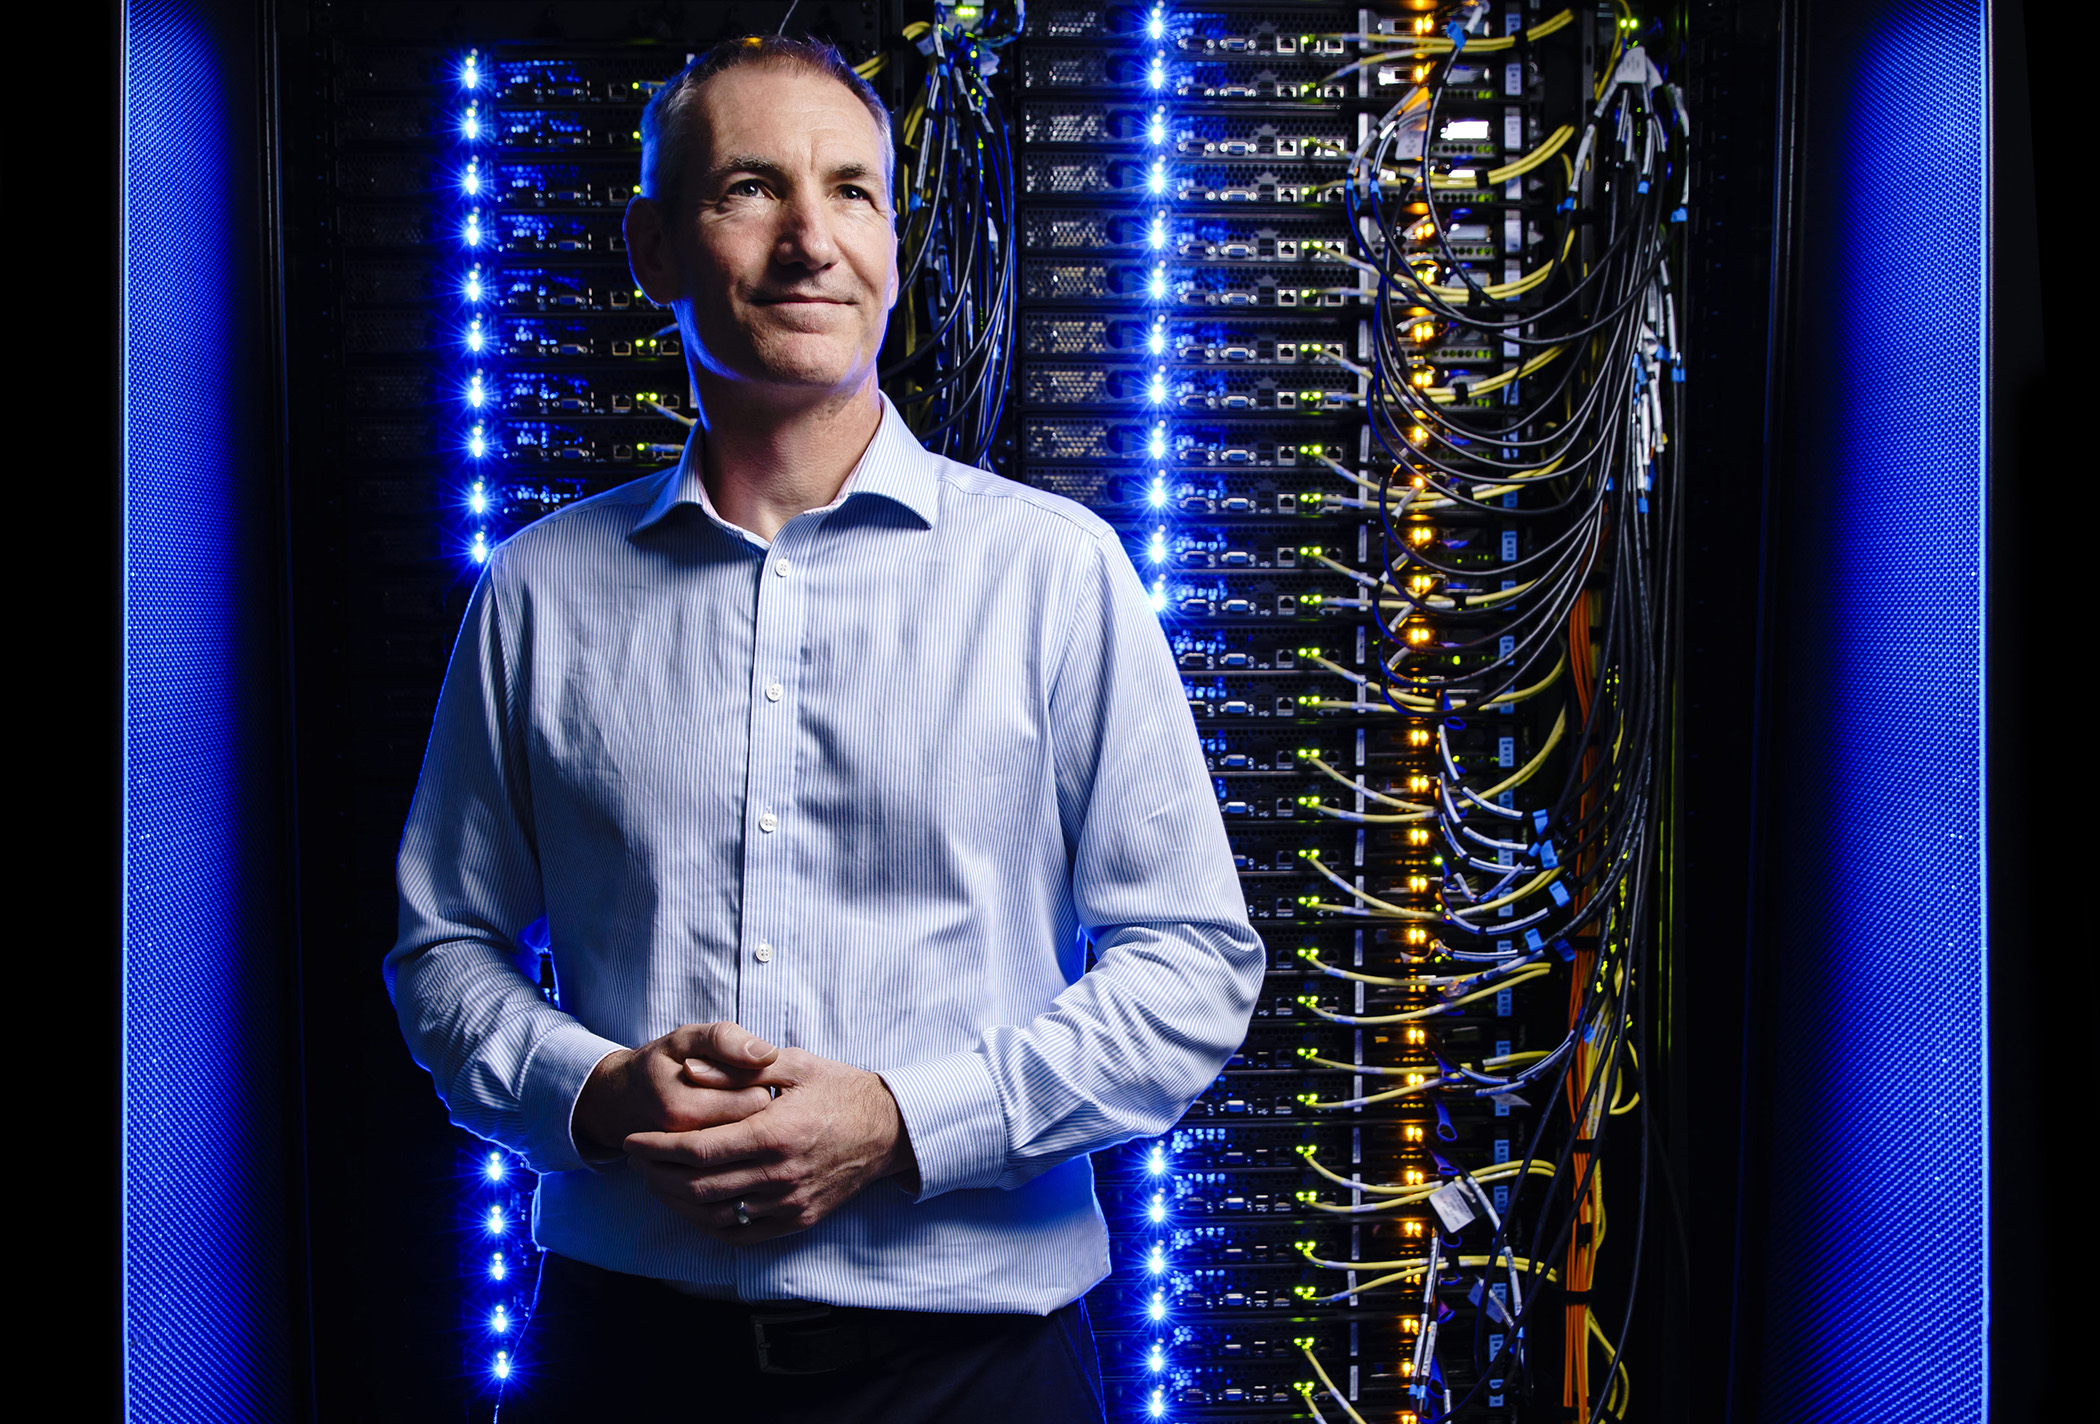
784	247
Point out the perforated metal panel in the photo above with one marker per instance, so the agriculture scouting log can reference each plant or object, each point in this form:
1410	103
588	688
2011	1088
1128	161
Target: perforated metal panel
204	1241
1877	1298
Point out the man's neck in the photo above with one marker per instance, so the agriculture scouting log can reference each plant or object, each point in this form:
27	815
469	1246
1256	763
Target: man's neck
765	462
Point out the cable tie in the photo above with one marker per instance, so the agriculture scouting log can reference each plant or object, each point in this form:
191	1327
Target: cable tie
1641	187
1539	820
1533	938
1678	215
1548	856
1458	35
1566	950
1559	892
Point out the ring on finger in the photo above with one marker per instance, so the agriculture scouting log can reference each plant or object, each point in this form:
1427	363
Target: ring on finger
743	1214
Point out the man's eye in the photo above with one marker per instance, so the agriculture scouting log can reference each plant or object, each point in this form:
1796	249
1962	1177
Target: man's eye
852	192
745	188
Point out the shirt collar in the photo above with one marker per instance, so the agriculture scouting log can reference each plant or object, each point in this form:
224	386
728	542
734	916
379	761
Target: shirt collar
894	467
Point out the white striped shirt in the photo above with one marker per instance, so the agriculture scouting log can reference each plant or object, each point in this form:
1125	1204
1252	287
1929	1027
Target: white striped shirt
868	791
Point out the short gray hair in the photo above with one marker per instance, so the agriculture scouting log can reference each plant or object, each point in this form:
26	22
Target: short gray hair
667	123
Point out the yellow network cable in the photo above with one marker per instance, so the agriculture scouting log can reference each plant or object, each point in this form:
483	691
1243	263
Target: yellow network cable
1554	143
1500	290
1523	976
1419	1192
1444	395
1378	796
1335	1394
1435	45
1501	1061
1312	859
1413	702
1416	1270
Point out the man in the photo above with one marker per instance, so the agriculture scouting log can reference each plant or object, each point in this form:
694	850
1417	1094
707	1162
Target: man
825	760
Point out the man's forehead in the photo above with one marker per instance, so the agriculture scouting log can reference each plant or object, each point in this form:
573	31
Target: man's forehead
793	113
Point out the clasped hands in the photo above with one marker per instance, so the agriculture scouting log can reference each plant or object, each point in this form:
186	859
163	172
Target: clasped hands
715	1119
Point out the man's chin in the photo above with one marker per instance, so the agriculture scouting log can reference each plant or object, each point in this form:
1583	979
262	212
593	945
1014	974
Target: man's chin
781	364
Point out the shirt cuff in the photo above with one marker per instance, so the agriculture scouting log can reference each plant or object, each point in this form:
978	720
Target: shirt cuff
553	1077
952	1114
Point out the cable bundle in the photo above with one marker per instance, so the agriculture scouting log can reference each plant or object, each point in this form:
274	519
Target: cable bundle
955	255
1572	440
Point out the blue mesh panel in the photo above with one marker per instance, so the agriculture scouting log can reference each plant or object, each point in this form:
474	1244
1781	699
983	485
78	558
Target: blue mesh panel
204	1284
1876	1302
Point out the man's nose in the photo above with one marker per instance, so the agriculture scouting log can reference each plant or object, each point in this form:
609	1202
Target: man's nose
806	238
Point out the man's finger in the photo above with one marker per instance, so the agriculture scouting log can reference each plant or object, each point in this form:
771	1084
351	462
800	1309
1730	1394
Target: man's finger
728	1044
680	1185
706	1073
706	1147
790	1068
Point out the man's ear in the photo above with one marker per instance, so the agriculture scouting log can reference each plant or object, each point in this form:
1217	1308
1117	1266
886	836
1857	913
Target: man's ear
649	254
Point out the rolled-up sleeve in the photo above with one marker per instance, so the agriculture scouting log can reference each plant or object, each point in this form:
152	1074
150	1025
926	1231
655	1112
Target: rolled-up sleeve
508	1064
1124	1050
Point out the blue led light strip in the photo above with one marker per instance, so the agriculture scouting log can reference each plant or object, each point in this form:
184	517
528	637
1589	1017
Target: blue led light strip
473	126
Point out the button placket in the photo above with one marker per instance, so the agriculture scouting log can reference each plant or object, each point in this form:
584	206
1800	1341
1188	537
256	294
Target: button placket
768	893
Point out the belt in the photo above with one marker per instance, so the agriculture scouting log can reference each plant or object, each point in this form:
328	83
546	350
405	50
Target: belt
816	1339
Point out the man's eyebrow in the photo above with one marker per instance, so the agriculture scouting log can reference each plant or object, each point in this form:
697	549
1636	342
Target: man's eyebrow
767	168
743	163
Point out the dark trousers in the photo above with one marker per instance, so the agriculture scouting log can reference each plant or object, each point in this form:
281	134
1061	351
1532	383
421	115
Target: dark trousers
606	1346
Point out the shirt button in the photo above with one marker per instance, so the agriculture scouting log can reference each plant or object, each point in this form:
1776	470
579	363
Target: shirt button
772	692
768	822
782	567
764	953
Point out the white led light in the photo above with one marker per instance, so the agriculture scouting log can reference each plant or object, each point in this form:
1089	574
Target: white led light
1159	229
1159	595
1159	442
1157	342
1159	72
502	1366
1156	1360
499	1321
474	285
494	1169
477	446
1156	26
1158	1406
1158	181
497	1270
477	395
1158	1262
495	1221
1159	546
470	122
472	235
1159	282
470	74
1158	1309
475	340
1159	387
1159	498
1159	126
1158	1210
471	179
1158	1162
